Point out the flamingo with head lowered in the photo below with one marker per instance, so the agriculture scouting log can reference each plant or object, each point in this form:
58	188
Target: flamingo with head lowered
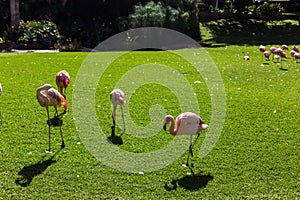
187	123
117	97
47	96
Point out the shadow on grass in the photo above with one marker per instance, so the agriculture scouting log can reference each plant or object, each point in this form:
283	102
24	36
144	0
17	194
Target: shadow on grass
28	173
113	138
190	182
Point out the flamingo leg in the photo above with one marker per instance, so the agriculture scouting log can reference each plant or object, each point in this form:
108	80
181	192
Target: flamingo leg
62	139
124	129
49	124
191	148
190	151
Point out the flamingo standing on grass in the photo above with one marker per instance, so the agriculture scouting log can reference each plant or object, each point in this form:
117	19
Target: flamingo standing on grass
187	123
47	96
247	57
262	49
62	82
117	97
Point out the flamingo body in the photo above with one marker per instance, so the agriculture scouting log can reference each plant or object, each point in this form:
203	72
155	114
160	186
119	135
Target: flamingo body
1	89
62	81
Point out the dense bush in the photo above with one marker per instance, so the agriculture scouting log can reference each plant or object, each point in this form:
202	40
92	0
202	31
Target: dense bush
153	14
266	9
44	32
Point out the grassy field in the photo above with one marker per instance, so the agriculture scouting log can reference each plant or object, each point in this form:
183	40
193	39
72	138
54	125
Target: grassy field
256	156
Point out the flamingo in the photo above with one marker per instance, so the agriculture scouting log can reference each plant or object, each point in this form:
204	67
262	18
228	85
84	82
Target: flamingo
187	123
117	97
267	55
62	82
297	56
47	96
273	50
295	48
246	57
292	53
284	47
262	48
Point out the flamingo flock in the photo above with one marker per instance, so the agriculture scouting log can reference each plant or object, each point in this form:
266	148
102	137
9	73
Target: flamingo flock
278	53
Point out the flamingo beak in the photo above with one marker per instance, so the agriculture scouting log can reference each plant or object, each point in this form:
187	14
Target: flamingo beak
203	125
165	127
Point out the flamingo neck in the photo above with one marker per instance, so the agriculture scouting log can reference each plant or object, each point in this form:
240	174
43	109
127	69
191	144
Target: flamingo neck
173	131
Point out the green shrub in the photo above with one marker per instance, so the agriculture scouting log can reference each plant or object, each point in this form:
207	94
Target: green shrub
44	32
153	14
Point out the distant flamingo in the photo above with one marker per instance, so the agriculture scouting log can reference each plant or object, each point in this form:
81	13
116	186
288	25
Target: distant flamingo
277	57
246	57
273	50
62	82
186	124
47	96
292	53
0	89
267	55
117	97
284	47
295	48
262	48
297	56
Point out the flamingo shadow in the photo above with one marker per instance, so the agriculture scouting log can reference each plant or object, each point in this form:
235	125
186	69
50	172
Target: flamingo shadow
113	138
28	173
57	120
190	182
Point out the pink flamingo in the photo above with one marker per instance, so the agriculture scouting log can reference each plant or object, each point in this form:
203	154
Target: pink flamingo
297	56
262	48
273	50
186	124
246	57
295	48
292	53
267	55
284	47
117	97
62	82
47	96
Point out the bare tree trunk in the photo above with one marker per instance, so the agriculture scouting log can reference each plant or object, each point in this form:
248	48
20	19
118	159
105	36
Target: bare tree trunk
14	13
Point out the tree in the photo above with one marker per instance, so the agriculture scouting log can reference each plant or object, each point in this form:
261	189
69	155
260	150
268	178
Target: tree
14	13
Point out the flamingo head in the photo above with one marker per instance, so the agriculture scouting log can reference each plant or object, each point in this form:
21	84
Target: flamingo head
63	102
203	125
167	119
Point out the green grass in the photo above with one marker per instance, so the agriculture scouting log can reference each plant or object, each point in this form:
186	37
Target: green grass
256	157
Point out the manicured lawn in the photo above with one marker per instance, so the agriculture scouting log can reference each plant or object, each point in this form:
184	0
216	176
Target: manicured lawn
256	156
